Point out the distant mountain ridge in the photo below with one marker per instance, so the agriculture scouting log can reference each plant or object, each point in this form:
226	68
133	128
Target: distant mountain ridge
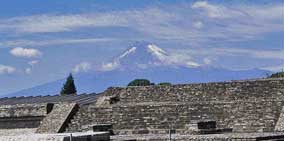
143	60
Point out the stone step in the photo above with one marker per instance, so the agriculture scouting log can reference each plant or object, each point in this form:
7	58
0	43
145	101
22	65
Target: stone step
100	115
280	123
57	120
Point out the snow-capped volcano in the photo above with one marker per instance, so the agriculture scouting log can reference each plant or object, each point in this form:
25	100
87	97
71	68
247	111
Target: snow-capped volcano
143	55
148	52
144	60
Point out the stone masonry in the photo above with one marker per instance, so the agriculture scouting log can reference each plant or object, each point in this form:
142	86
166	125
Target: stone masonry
57	119
21	115
243	106
44	114
239	107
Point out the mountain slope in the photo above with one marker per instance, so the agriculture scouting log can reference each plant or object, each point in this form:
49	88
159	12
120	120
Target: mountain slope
144	60
144	55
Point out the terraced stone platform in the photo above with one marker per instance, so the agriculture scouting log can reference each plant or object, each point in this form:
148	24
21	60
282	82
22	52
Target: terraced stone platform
248	108
243	106
47	114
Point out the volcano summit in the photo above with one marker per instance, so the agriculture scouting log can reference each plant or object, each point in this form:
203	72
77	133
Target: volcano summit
144	60
144	55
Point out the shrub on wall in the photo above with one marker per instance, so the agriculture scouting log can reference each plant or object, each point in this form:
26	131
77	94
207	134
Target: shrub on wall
164	84
277	75
140	82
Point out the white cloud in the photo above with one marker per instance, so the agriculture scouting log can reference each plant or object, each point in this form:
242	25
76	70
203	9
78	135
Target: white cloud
242	20
276	68
219	11
198	24
261	54
14	43
236	22
33	62
207	61
235	58
4	69
233	52
60	23
212	10
28	70
110	66
192	64
181	60
25	52
82	67
230	22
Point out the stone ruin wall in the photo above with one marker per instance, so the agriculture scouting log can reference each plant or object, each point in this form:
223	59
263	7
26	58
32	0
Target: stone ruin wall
36	118
21	115
244	106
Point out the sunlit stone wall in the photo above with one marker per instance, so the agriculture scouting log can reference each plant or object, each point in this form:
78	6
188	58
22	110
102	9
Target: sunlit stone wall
244	106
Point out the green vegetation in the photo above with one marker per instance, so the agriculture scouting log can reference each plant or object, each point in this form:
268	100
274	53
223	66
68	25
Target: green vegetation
277	75
145	82
140	82
69	86
164	84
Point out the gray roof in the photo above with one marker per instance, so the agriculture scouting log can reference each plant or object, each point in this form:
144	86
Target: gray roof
80	99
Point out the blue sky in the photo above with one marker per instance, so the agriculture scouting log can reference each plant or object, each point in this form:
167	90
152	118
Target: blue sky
44	41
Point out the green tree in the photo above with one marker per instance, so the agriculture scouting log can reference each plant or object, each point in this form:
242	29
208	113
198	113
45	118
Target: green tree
277	75
140	82
164	84
69	86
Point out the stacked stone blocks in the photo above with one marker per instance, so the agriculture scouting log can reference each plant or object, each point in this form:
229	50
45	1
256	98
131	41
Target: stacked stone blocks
243	106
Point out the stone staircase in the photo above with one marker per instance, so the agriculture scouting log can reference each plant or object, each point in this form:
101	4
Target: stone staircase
57	120
279	127
83	119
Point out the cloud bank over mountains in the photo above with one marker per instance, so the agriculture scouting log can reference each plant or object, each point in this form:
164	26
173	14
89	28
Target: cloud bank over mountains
46	45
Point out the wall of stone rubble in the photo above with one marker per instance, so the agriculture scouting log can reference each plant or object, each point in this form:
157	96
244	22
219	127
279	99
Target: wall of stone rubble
22	110
263	89
21	115
244	106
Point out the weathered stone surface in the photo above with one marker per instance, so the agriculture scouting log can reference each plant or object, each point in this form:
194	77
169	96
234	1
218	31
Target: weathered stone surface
79	99
22	110
253	106
279	127
16	132
28	112
210	137
87	136
56	120
244	106
21	115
